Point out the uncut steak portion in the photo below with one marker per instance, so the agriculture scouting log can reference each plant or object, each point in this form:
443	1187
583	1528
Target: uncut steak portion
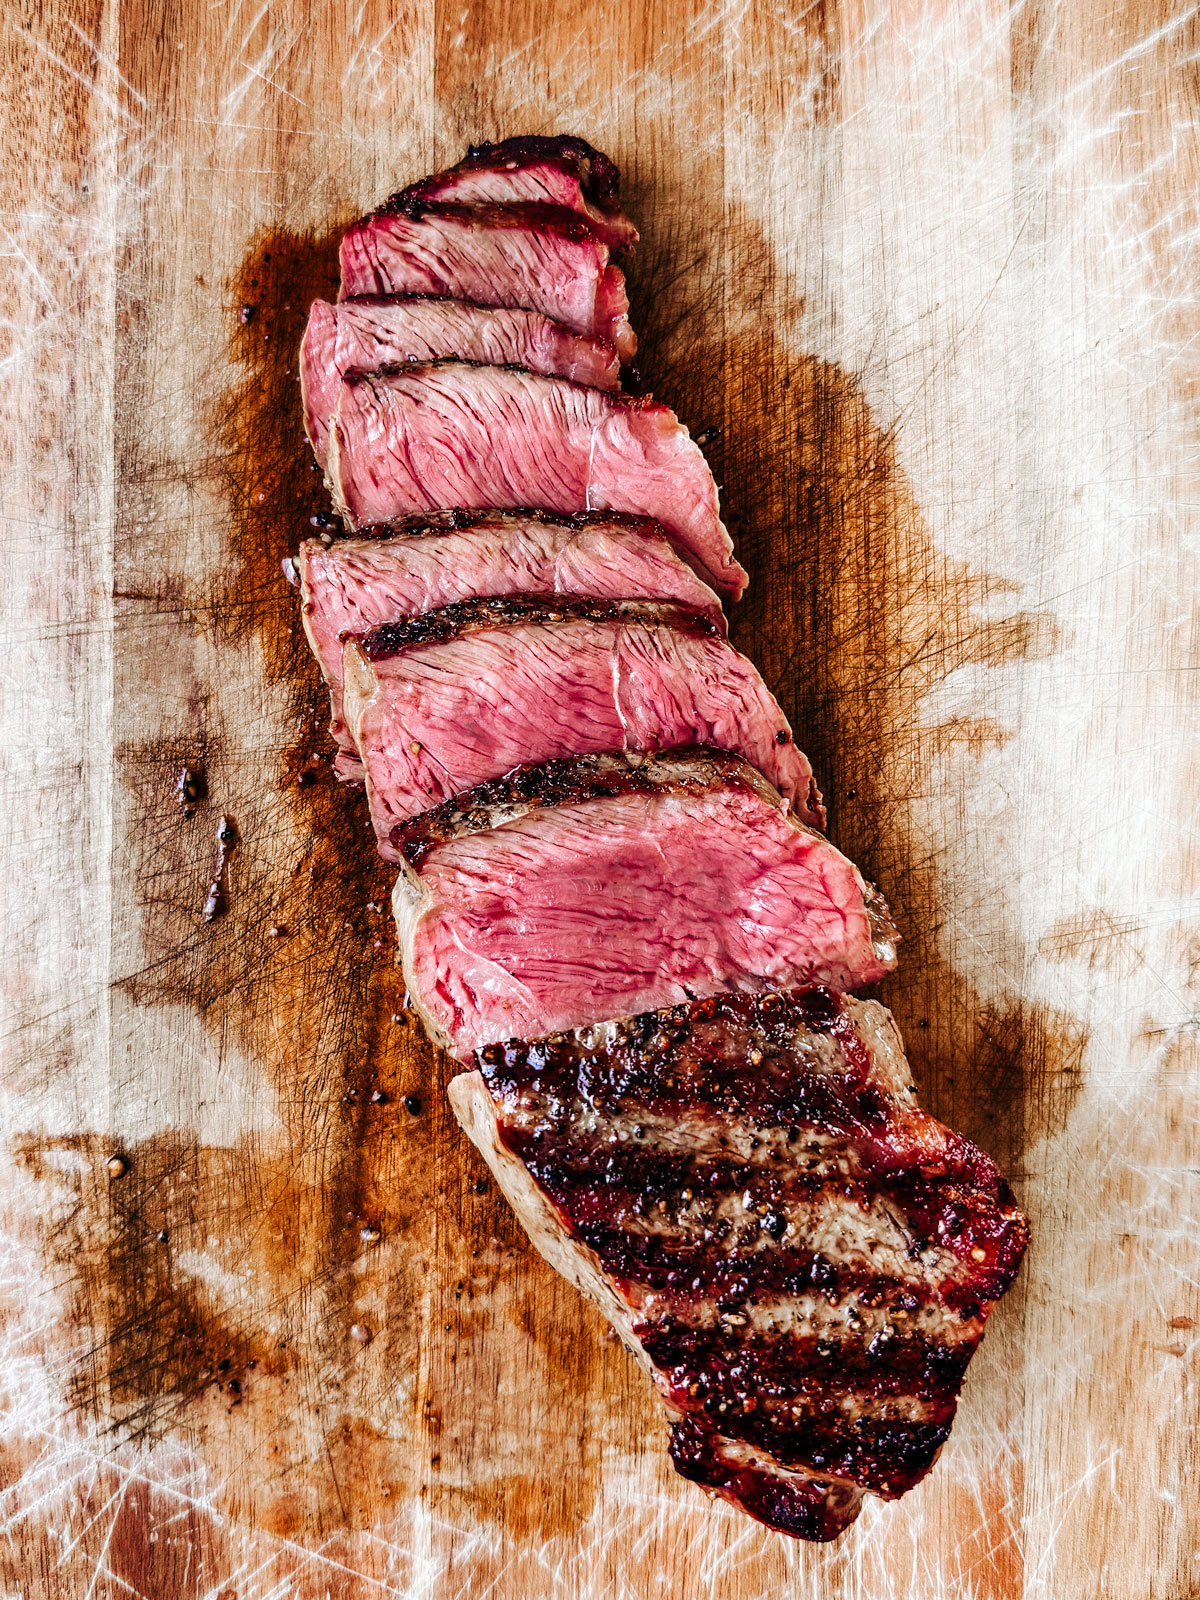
606	885
800	1257
563	171
375	331
420	438
440	703
354	584
541	257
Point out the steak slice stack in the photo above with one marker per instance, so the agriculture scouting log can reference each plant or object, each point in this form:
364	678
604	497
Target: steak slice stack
558	171
541	257
599	812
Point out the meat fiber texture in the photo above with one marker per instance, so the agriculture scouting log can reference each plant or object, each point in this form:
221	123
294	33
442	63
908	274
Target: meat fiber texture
452	434
353	585
561	171
373	332
543	681
540	257
801	1258
610	885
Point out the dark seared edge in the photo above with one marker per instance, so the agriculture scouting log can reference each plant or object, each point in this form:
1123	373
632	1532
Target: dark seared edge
513	610
464	518
598	175
686	769
617	398
535	216
688	1149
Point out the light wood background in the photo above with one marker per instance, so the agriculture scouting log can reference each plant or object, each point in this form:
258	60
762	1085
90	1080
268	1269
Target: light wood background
932	267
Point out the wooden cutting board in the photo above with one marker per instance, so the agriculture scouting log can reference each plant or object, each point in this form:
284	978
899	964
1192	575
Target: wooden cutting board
930	267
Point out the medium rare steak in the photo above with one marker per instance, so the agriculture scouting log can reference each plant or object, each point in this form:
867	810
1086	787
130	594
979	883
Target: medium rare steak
451	434
542	257
800	1257
374	331
563	171
439	703
613	884
352	585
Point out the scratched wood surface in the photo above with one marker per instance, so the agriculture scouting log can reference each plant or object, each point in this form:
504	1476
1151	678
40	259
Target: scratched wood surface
931	267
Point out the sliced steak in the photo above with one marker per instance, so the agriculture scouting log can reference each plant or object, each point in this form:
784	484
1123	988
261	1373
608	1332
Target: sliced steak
563	171
451	434
439	703
542	257
353	585
612	884
375	331
800	1257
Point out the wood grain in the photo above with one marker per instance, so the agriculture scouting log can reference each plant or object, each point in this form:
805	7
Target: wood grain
930	267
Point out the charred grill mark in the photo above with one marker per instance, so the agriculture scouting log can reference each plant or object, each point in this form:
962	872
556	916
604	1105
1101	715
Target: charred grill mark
513	610
806	1506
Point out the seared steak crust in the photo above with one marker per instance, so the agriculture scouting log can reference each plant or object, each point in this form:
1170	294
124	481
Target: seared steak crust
806	1258
439	520
689	769
498	611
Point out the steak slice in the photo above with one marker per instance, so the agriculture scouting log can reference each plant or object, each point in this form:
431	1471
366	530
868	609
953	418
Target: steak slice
541	257
440	703
375	331
613	884
418	438
562	171
353	585
800	1257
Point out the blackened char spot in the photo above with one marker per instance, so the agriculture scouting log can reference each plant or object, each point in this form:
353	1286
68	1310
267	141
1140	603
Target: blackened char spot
510	611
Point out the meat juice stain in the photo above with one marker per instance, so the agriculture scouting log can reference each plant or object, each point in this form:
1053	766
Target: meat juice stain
216	901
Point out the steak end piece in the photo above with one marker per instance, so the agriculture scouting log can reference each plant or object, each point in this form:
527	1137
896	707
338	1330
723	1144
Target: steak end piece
610	884
559	170
800	1257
